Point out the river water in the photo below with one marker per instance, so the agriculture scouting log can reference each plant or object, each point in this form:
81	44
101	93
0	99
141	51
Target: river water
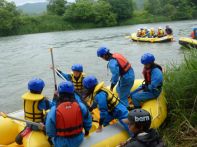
26	56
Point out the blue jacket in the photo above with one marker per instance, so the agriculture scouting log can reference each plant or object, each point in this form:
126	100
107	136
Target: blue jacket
65	75
156	81
45	104
114	68
51	119
100	100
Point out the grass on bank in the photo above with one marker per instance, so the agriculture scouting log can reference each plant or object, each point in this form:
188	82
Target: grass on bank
51	23
181	93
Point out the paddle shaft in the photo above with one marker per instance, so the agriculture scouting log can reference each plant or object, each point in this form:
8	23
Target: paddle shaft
19	119
53	65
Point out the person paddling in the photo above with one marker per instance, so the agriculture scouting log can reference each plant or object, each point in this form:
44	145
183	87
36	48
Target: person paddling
108	104
67	119
121	71
76	77
35	103
153	80
139	121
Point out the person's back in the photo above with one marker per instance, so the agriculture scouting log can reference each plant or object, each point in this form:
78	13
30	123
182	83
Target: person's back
34	105
168	30
139	122
146	139
160	32
66	120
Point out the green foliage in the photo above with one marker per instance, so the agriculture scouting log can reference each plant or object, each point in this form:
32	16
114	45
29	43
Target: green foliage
99	12
180	89
103	16
122	8
80	11
57	7
9	18
174	9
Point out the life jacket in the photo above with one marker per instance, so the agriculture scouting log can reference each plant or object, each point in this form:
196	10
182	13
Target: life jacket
69	120
160	33
138	33
31	102
78	83
143	33
124	65
112	100
147	73
152	32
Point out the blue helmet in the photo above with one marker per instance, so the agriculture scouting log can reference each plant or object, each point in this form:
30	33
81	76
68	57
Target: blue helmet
102	51
66	87
77	67
36	84
147	58
90	82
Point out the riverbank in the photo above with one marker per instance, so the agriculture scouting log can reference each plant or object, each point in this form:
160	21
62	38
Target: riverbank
180	88
51	23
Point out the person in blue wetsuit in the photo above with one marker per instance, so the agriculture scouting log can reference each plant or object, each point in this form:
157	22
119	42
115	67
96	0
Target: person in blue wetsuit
108	104
153	79
76	77
122	73
35	103
67	119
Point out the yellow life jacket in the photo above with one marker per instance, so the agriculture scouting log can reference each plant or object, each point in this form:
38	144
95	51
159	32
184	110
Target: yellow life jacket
112	100
160	33
78	83
31	101
143	33
152	32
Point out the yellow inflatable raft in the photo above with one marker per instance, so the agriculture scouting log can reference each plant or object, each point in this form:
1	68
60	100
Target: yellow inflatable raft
167	38
111	135
188	42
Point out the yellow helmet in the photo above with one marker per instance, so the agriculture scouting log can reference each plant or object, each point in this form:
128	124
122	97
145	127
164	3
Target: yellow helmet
152	29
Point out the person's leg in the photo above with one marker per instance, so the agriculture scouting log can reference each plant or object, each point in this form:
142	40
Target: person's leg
142	96
124	87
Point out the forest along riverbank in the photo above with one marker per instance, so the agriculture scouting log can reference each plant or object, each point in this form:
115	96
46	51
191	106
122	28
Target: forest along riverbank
61	15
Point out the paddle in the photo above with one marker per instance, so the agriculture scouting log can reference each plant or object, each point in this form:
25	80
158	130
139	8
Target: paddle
53	67
39	125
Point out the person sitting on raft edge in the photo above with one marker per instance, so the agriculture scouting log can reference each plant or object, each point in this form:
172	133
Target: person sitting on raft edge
67	119
109	105
152	84
139	121
76	77
168	30
122	73
34	106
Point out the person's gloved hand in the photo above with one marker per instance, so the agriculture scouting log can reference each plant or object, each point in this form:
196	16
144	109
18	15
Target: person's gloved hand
86	133
90	109
112	86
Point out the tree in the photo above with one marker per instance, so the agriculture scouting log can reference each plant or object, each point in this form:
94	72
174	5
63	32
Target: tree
122	8
9	18
103	14
80	11
57	7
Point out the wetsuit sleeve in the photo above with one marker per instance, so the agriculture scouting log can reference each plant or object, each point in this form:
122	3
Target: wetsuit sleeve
51	122
101	99
45	104
114	69
87	118
65	75
156	79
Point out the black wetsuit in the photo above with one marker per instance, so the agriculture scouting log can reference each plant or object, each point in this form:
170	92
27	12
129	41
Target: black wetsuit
148	139
169	31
